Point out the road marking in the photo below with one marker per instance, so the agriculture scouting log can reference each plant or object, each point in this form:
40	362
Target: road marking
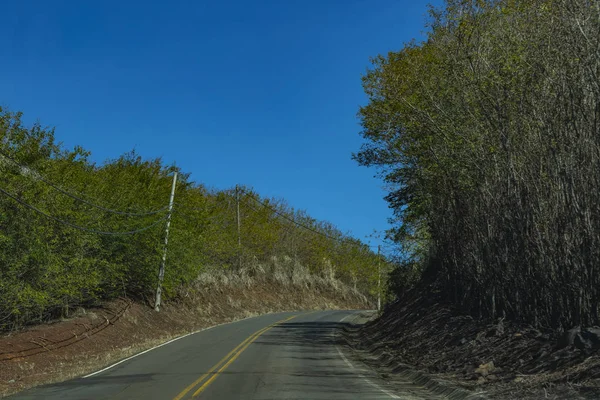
364	378
349	315
245	345
210	371
226	361
232	359
166	343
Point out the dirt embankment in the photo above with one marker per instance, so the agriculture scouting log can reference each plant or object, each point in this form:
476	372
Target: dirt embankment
503	360
97	337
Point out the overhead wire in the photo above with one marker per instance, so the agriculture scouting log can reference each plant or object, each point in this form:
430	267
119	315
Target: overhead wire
282	215
286	229
79	227
302	238
41	178
301	225
195	219
141	214
178	207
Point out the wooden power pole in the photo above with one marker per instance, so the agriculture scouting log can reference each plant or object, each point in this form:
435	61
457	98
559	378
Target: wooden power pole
239	225
378	278
161	271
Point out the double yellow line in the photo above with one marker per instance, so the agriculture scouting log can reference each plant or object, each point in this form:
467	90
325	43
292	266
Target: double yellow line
225	362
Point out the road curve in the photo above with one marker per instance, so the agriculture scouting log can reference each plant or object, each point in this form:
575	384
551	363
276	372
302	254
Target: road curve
276	356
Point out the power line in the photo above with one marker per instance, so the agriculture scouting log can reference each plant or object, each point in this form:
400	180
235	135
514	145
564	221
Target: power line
303	238
302	225
206	208
72	225
287	229
177	210
38	176
282	215
177	204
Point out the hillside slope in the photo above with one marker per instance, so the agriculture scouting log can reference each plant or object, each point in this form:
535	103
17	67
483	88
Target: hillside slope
97	337
504	359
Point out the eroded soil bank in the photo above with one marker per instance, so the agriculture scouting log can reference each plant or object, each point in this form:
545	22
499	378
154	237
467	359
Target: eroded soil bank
503	360
97	337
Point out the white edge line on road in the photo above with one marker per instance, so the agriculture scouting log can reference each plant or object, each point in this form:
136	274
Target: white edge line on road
364	378
171	341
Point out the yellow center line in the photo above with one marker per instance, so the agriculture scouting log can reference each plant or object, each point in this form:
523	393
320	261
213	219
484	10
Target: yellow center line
210	371
232	359
227	360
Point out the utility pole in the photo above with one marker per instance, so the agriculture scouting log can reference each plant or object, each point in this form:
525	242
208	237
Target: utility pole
239	224
378	278
161	271
294	255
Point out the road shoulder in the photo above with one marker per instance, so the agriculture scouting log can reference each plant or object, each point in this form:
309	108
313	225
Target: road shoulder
398	377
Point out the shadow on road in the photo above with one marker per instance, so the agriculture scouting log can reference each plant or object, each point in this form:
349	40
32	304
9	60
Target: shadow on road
290	360
300	334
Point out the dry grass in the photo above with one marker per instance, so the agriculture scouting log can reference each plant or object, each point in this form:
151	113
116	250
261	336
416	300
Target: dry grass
284	271
214	298
507	360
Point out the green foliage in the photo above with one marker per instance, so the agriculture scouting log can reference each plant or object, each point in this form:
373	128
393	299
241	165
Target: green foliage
49	267
487	134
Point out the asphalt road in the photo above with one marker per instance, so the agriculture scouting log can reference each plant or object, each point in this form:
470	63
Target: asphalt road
276	356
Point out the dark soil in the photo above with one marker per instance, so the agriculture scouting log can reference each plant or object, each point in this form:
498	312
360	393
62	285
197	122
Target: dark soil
97	337
503	359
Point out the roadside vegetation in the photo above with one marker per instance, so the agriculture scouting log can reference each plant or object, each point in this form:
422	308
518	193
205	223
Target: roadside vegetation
75	233
488	136
92	338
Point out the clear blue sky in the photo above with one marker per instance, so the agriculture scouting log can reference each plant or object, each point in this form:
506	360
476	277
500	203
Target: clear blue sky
261	93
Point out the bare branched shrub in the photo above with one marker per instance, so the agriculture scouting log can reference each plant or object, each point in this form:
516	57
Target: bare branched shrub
489	136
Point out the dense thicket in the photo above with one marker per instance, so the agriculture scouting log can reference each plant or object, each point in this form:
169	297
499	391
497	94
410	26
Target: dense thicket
58	250
488	134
